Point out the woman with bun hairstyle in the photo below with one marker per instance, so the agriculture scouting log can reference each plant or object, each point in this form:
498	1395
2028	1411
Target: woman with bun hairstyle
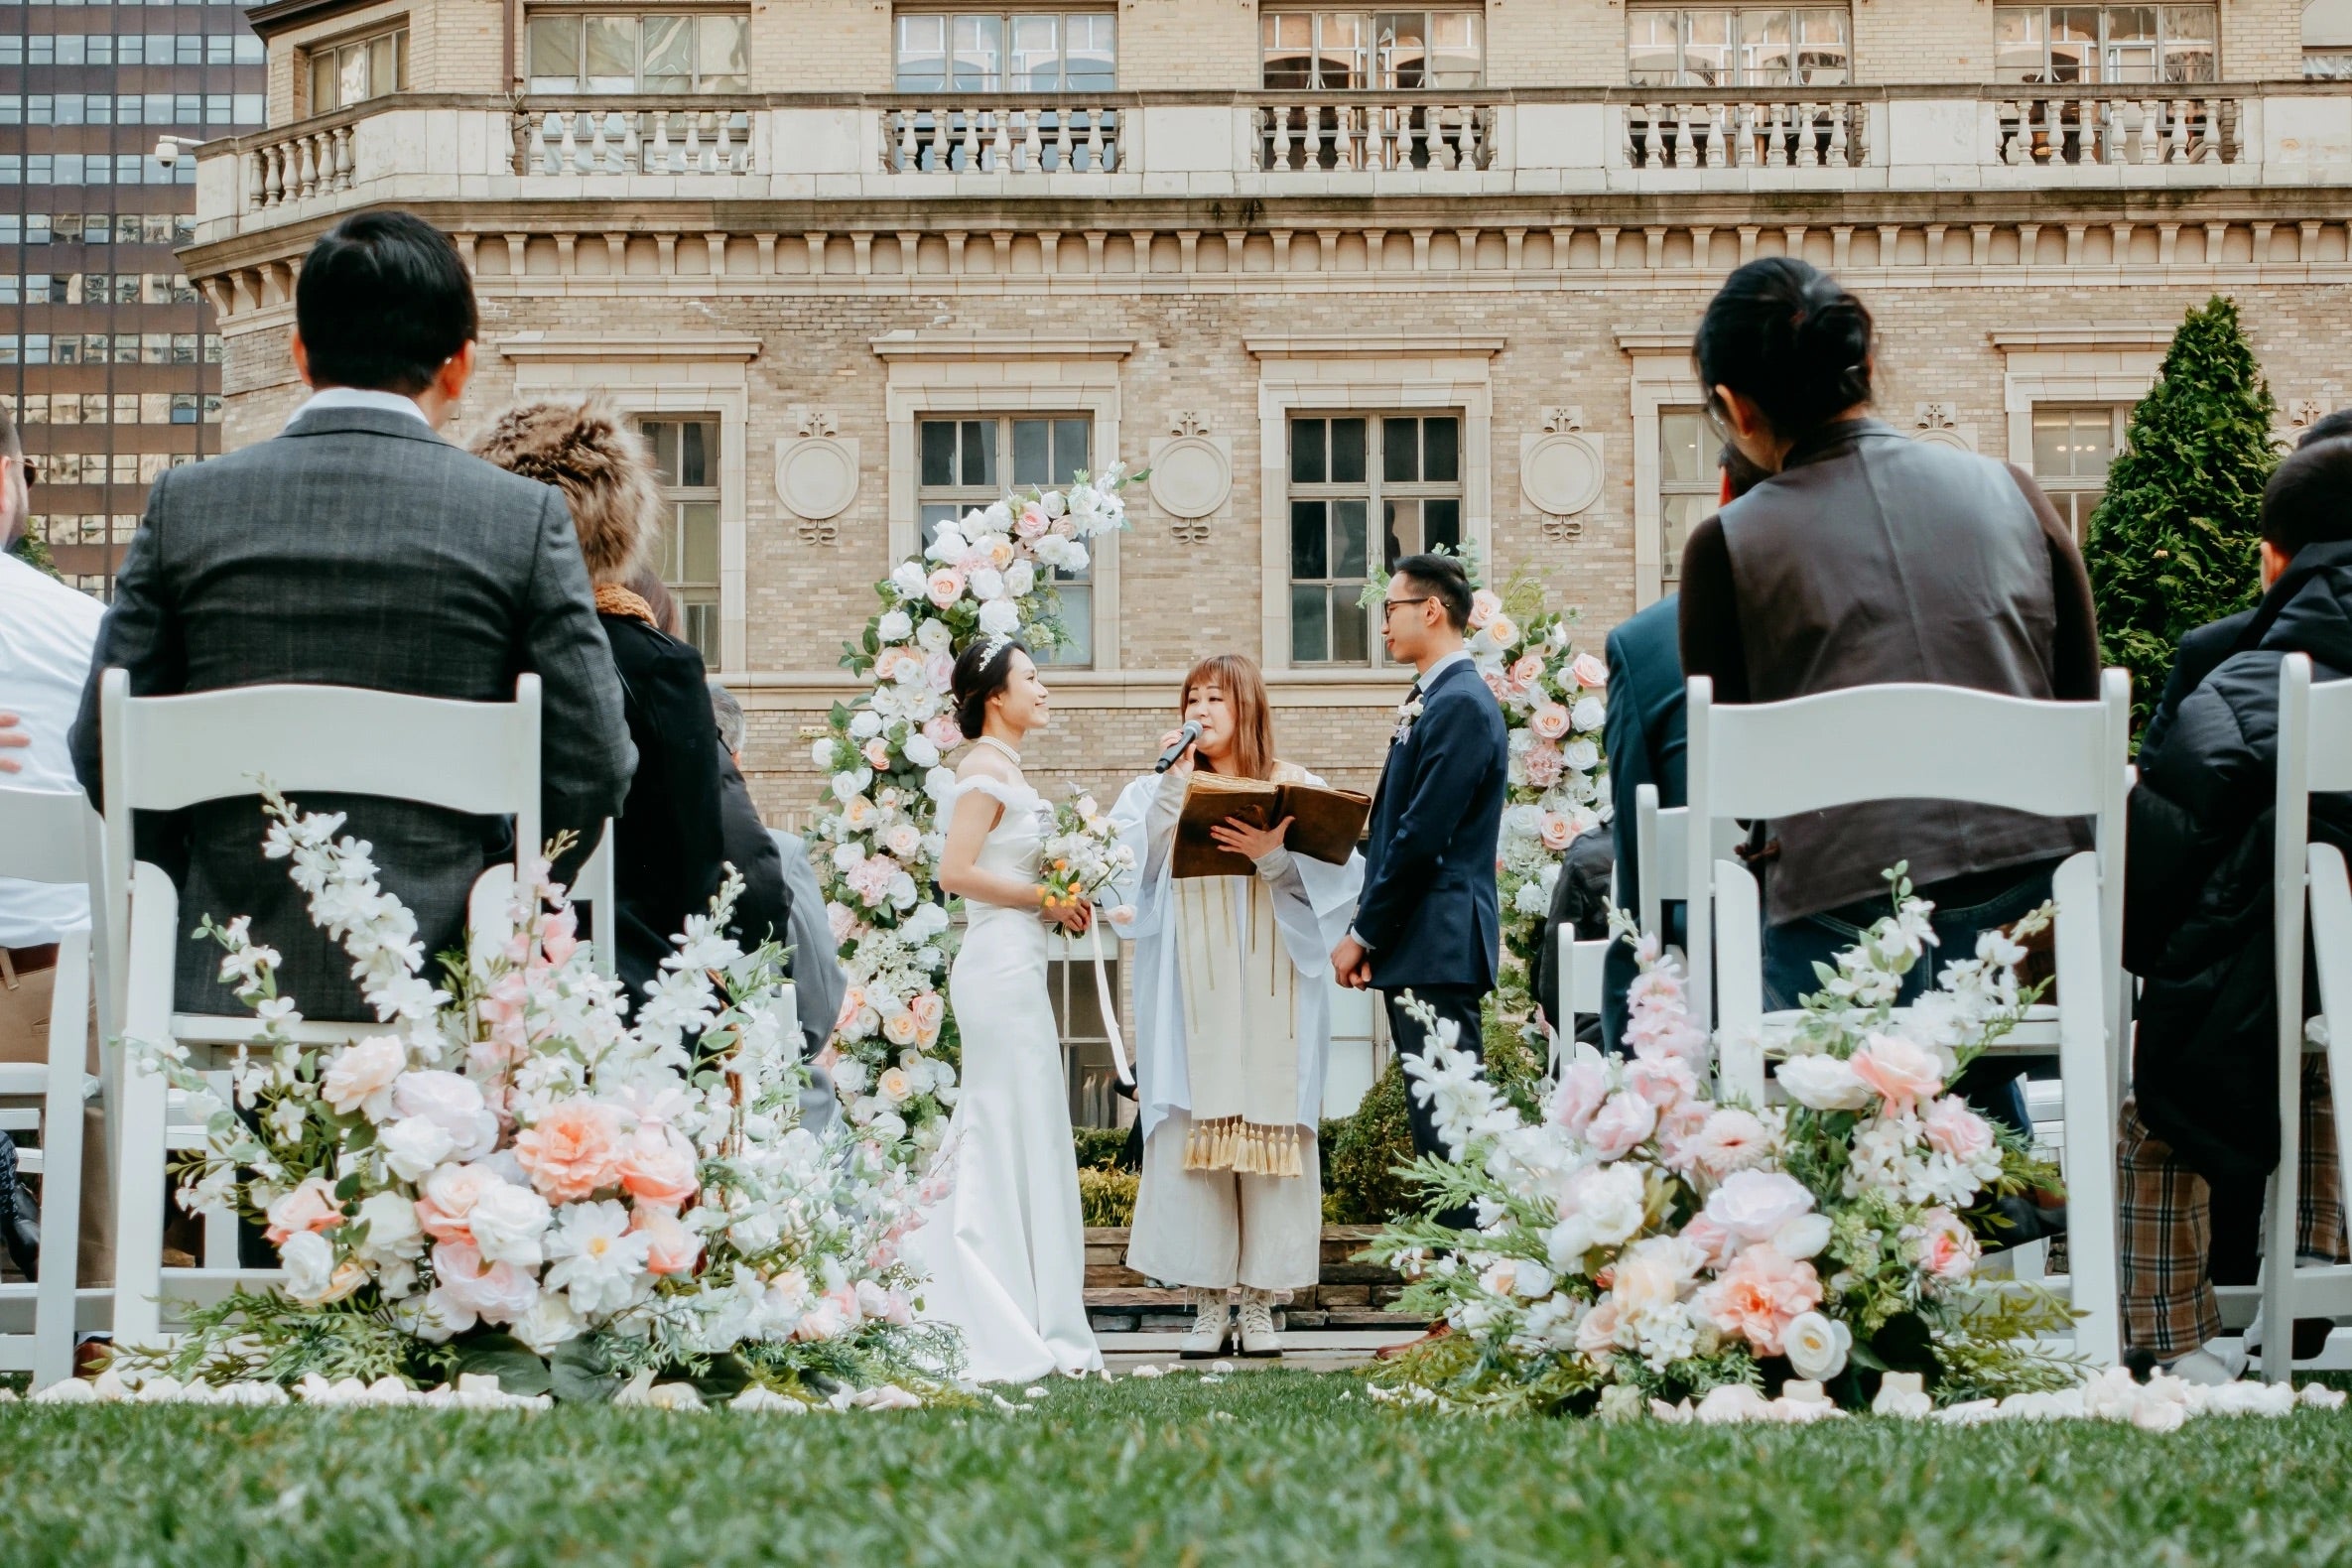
1865	558
1004	1251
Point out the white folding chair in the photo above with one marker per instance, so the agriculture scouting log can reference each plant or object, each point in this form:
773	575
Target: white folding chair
1661	839
166	753
592	887
1936	742
53	836
1580	963
2314	757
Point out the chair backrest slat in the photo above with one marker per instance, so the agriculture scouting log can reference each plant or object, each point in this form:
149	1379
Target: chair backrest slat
2330	735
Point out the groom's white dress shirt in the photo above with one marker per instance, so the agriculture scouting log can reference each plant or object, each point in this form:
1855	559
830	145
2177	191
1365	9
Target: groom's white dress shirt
47	631
360	397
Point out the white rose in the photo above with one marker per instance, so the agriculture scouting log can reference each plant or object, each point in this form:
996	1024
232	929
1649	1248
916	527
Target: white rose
550	1322
1608	1200
920	751
391	1222
988	584
1802	1238
1020	578
865	724
507	1222
1515	1276
1530	899
1754	1205
1588	713
910	580
820	753
413	1145
359	1081
1816	1346
894	626
309	1265
1825	1083
998	618
452	1102
934	636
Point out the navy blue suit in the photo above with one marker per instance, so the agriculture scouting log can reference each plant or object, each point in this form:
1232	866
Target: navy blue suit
1645	739
1430	913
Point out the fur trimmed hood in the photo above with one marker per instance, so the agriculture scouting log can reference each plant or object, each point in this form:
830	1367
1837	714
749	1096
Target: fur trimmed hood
602	467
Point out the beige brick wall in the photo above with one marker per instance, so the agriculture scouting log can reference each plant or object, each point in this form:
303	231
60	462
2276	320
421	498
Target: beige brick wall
1556	44
2262	40
1178	44
820	46
1909	40
453	46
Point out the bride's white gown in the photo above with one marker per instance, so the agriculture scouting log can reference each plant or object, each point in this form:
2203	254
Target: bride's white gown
1005	1249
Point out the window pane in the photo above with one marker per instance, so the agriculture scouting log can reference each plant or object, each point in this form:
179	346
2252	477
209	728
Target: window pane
1347	540
698	529
1400	449
1402	60
1340	50
663	434
1707	51
2052	459
1288	40
2189	54
1350	628
697	441
322	79
1077	626
922	54
1677	516
556	53
1090	53
1400	532
1441	524
380	75
611	54
2074	44
1309	556
1821	47
1441	449
937	438
1764	49
723	54
1347	451
1654	49
1031	461
1071	439
979	452
1457	49
935	514
979	53
1036	62
2018	43
350	68
1681	437
1310	625
669	54
1307	464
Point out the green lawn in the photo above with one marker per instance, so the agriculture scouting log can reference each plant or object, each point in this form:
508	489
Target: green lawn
1260	1469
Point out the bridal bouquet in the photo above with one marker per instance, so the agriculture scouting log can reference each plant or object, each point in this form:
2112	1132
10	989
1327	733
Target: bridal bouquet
877	838
1083	856
508	1174
1644	1243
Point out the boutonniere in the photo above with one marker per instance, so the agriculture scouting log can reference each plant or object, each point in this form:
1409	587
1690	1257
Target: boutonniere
1406	713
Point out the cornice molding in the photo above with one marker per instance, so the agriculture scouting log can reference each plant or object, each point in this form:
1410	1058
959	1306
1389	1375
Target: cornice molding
2098	334
703	347
907	344
1373	345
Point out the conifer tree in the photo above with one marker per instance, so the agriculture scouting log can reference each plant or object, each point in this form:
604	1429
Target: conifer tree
2175	543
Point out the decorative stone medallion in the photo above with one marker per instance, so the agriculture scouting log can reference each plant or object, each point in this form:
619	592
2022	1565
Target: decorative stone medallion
1560	469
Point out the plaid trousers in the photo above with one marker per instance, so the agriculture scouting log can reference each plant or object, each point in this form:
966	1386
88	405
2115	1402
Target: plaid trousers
2166	1224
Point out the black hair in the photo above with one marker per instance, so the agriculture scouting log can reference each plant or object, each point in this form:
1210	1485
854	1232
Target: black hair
1444	579
980	673
382	304
2308	500
2327	427
1784	336
1740	473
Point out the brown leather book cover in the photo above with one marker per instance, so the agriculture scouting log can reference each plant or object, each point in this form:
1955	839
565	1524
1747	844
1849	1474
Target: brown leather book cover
1325	823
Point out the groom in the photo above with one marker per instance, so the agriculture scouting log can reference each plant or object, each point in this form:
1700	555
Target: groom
1429	920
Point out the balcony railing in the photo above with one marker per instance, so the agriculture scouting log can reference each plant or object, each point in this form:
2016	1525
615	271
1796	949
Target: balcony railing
1251	146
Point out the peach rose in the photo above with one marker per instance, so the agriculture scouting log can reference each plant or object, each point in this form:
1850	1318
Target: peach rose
1946	1249
359	1080
941	730
571	1152
657	1165
944	587
669	1248
928	1009
310	1206
1549	721
1952	1128
1502	630
1556	831
1902	1072
902	1028
445	1209
1485	605
1758	1294
1527	671
1589	671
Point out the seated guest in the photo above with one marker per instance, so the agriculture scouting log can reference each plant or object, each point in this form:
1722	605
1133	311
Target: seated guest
667	847
2201	1133
358	548
1868	558
47	630
1643	737
763	910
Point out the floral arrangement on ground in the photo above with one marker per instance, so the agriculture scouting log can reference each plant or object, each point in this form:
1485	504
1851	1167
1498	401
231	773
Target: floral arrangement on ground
1641	1245
515	1182
876	840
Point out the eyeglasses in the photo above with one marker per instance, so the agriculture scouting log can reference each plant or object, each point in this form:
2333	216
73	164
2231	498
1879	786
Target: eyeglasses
1388	604
32	471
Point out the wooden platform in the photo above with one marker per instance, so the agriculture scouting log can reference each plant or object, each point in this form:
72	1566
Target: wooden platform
1351	1299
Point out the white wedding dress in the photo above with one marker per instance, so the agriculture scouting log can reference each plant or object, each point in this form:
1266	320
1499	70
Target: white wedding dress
1005	1249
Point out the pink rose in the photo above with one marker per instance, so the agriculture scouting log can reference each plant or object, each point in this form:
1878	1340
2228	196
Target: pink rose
657	1165
669	1248
1754	1205
1713	1241
494	1292
559	935
1758	1294
1485	605
1589	671
928	1009
1620	1125
944	587
1902	1072
311	1205
445	1209
1527	671
1550	720
939	673
877	753
1663	1081
1032	522
1946	1249
1556	831
841	921
942	732
1496	684
1584	1085
1542	763
571	1152
1596	1336
1952	1128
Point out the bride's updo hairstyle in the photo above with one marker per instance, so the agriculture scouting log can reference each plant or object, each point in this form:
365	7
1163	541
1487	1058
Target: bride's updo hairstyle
1785	336
980	673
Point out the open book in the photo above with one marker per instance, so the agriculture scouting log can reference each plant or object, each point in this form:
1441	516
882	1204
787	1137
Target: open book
1326	822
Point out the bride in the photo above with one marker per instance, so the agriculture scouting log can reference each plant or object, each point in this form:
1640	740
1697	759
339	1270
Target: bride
1005	1251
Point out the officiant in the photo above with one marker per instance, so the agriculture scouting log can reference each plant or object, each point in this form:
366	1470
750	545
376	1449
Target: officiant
1233	1021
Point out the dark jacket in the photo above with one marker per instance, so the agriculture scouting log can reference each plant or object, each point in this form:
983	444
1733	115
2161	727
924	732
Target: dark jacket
2197	925
2200	652
1645	739
1580	901
1429	911
667	843
1871	558
763	910
357	549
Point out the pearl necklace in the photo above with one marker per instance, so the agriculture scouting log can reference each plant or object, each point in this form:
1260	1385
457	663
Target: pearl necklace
990	741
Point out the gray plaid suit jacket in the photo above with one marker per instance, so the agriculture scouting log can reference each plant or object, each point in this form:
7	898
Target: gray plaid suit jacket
357	549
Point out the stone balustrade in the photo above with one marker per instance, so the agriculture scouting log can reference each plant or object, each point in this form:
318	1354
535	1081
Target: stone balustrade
1259	146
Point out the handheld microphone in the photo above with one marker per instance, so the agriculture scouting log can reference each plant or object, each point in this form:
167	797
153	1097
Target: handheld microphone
1190	733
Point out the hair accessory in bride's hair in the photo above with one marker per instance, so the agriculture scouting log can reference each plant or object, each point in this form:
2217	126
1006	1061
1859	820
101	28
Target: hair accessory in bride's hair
995	648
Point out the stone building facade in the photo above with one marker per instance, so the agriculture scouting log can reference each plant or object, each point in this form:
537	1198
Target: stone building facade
1333	275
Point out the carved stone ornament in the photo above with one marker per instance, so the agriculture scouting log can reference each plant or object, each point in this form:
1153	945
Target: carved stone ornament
816	469
1192	472
2305	412
1938	423
1194	532
1560	467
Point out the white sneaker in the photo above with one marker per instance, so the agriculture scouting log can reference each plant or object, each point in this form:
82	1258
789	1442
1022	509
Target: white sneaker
1209	1326
2205	1364
1257	1324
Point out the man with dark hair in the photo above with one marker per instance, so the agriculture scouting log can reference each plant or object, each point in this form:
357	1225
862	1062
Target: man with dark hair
2200	1135
358	548
1429	922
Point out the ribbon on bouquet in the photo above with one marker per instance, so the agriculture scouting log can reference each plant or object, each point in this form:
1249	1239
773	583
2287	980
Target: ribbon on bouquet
1109	1003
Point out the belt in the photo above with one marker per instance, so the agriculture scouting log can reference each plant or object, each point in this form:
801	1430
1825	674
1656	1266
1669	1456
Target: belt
25	961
